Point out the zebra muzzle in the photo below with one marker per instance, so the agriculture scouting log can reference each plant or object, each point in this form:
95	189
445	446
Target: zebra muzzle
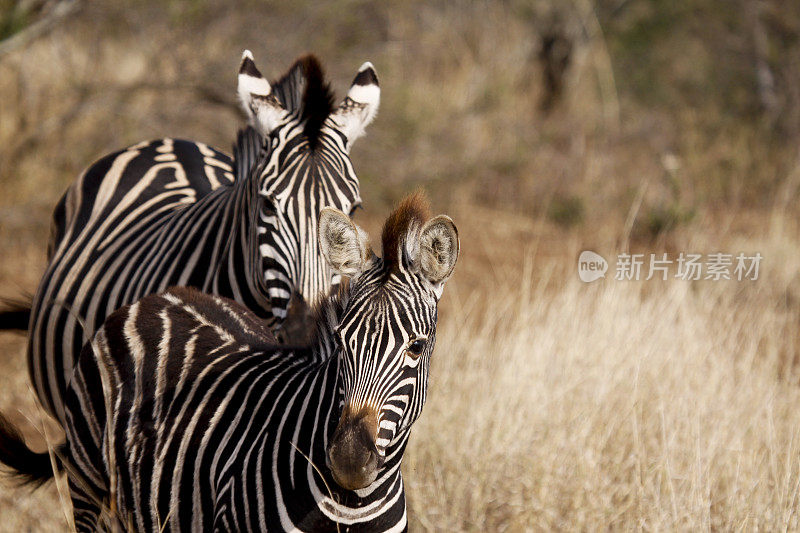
353	457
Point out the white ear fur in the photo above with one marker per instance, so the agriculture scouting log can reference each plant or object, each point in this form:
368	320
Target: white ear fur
361	103
263	110
438	250
343	244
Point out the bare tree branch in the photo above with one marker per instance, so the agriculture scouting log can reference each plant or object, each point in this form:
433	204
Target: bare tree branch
52	16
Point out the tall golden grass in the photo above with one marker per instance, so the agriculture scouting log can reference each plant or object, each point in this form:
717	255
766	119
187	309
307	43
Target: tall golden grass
599	407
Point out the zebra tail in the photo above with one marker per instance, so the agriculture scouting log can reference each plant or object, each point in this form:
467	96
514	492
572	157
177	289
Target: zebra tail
16	315
26	466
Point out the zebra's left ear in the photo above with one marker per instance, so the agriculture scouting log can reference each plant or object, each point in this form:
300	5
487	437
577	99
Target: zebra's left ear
360	105
438	251
263	109
343	244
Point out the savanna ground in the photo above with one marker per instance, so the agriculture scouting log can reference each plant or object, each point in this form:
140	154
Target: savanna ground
543	128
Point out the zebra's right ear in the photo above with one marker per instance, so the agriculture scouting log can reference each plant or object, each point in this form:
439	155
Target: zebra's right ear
438	251
343	244
263	109
360	105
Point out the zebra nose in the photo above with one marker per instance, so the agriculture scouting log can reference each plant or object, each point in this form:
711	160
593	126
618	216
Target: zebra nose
352	456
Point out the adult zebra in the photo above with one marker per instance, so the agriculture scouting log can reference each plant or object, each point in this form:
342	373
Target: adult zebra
168	213
203	424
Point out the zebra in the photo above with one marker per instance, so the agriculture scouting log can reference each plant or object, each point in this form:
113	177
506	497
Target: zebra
203	423
171	212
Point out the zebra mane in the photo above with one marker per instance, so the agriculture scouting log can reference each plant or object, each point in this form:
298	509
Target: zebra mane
226	314
246	151
411	213
326	314
305	91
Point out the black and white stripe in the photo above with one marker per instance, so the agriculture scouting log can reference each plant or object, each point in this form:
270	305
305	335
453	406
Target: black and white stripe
184	414
171	212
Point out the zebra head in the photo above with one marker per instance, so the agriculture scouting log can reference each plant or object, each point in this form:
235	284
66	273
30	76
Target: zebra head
385	332
304	166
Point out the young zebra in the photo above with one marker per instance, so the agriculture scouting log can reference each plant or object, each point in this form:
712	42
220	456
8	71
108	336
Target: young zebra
168	213
184	414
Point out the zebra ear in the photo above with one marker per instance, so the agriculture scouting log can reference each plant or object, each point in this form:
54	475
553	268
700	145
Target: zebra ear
263	110
438	250
343	244
360	105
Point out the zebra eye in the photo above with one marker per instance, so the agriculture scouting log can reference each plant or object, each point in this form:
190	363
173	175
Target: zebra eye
416	347
354	209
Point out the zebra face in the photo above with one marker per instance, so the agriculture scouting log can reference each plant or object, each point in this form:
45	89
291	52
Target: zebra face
297	183
386	332
307	168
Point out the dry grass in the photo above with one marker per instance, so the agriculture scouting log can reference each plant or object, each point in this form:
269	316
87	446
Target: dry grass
598	408
552	404
556	405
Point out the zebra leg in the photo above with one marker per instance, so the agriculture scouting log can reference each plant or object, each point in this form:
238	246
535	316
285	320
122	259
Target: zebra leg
85	429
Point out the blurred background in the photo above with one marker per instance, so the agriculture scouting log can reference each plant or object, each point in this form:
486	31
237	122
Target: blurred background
543	128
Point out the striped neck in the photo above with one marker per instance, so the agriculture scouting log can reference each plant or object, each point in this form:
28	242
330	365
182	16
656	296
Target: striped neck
239	271
285	464
381	505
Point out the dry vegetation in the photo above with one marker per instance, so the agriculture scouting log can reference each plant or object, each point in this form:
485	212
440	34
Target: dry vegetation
617	405
553	405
